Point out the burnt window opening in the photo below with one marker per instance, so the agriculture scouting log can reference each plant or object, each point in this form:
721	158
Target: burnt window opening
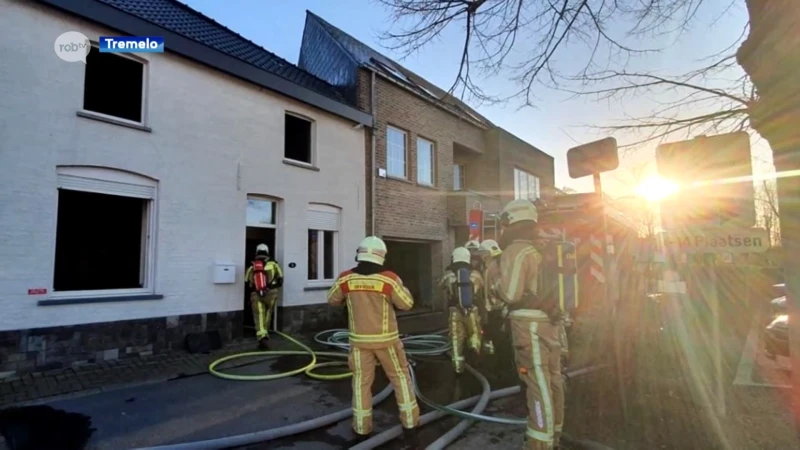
113	85
297	139
100	241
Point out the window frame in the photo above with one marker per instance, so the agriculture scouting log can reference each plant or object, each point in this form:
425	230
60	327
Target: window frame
312	139
321	281
461	178
145	91
149	233
528	177
432	162
390	128
274	224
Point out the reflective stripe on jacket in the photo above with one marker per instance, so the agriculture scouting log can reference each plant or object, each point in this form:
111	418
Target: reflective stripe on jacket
519	271
490	277
371	300
448	284
272	269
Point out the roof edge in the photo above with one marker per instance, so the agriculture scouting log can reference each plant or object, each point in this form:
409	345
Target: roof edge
119	20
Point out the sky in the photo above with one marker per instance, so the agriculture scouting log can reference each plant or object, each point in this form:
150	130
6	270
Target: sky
555	124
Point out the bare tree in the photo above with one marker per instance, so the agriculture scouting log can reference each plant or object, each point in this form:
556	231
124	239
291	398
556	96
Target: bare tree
524	38
767	214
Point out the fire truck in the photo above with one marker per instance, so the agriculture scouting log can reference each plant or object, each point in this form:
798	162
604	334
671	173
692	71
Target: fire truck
577	219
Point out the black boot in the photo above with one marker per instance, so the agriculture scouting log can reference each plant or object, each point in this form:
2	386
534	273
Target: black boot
263	343
411	439
361	438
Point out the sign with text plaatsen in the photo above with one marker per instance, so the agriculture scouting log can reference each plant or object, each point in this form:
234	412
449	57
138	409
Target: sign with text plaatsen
718	240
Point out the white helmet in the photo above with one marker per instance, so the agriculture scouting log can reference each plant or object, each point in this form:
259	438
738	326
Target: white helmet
371	249
491	246
518	211
473	245
262	251
461	254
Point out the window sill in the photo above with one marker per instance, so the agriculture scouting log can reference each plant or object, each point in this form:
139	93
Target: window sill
109	299
291	162
103	118
427	186
318	288
402	180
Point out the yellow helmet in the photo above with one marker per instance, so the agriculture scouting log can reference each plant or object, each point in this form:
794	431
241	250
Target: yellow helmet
371	249
519	211
472	246
461	254
491	246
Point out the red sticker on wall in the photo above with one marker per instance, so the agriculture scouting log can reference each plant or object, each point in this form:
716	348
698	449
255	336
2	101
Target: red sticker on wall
39	291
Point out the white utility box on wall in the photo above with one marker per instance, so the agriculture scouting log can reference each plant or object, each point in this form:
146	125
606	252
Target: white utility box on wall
224	273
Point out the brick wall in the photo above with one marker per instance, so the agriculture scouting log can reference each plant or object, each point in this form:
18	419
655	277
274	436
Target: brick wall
405	209
514	152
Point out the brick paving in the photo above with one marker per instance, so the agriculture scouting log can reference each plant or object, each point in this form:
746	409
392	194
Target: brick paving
108	375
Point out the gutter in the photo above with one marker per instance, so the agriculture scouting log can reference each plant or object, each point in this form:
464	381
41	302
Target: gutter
126	23
374	167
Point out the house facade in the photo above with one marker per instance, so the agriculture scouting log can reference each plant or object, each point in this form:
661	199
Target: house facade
430	157
136	186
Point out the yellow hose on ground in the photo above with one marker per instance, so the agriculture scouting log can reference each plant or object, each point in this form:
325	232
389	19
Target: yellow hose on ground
307	369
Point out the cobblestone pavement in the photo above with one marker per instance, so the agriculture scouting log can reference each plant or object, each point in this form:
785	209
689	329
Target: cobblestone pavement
108	375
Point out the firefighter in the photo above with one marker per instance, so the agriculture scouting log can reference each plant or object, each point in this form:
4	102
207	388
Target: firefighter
265	278
534	326
462	285
475	252
371	294
492	304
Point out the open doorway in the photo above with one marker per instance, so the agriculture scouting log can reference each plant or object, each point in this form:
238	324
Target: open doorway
411	261
260	230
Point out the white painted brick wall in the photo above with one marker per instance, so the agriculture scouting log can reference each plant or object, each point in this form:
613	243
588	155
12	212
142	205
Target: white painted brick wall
204	123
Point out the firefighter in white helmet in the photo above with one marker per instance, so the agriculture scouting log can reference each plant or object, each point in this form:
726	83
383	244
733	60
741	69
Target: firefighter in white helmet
462	285
372	293
534	325
265	278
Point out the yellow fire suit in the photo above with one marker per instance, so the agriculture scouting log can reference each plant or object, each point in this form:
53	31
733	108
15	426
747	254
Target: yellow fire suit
537	351
493	306
263	305
371	300
464	324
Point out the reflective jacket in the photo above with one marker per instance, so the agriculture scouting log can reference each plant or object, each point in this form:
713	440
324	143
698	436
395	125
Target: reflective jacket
491	275
272	269
519	274
371	300
448	284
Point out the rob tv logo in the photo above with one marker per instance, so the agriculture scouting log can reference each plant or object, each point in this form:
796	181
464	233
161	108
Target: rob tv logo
73	46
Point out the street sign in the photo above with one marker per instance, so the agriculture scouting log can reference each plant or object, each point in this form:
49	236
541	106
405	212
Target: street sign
718	240
593	158
715	175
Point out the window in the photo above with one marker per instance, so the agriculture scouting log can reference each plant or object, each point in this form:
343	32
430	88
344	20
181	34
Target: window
114	86
260	213
323	246
526	186
297	139
104	234
425	165
458	177
396	153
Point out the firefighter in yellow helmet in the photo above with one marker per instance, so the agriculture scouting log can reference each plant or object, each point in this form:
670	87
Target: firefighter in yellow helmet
534	325
490	251
265	278
371	294
462	285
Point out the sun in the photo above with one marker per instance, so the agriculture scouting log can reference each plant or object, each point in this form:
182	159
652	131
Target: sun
655	189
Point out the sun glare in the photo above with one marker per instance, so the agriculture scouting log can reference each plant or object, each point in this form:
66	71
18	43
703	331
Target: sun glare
656	189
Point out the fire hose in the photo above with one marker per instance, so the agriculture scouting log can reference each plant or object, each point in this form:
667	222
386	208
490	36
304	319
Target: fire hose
418	345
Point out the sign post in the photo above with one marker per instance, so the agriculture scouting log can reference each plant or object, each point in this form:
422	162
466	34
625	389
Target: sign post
593	159
713	213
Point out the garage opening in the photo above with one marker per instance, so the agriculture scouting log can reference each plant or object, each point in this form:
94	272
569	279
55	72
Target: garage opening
100	241
260	230
412	262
